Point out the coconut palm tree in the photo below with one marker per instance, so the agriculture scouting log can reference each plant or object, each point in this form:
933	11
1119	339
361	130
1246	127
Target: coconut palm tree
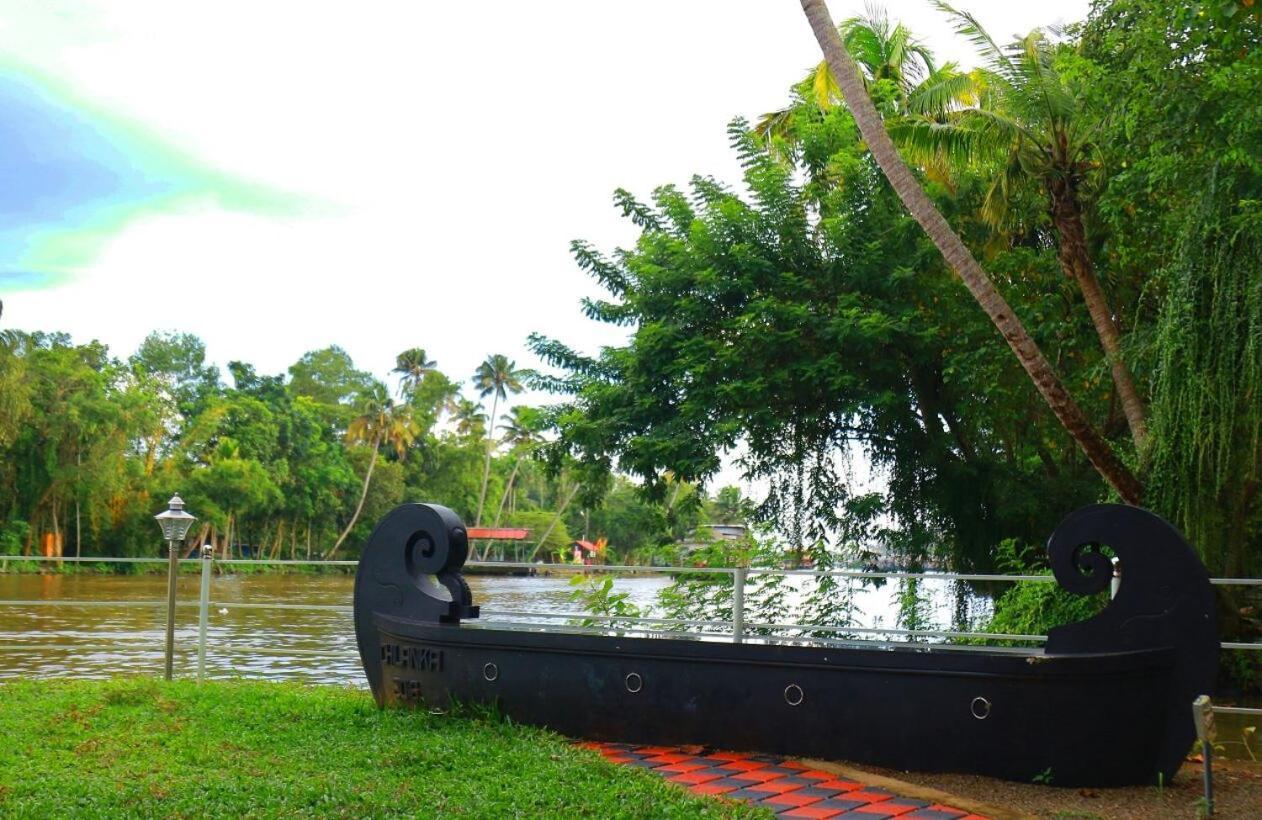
412	365
884	51
469	417
958	256
496	377
521	434
1031	126
379	421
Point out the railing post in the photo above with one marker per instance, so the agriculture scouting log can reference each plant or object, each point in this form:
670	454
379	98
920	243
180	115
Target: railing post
203	610
1203	717
173	569
738	604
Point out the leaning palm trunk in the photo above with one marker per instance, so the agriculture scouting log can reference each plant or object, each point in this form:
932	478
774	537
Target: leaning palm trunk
508	488
1075	261
372	462
555	520
922	209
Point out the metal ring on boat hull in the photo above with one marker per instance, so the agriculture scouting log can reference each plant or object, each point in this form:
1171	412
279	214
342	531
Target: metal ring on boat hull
793	695
634	682
491	672
980	707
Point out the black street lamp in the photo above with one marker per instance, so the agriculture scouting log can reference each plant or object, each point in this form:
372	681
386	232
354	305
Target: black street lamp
175	523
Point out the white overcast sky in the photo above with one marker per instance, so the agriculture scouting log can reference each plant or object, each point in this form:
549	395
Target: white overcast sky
454	150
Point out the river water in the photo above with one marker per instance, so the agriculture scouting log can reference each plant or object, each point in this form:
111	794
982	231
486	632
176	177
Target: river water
103	636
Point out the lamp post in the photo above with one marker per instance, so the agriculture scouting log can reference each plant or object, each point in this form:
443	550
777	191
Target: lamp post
175	523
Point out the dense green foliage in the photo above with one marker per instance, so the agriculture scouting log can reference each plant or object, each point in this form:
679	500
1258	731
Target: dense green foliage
802	320
140	748
91	446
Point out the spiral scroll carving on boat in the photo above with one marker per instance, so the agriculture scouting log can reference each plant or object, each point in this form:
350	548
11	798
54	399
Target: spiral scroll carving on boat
1165	600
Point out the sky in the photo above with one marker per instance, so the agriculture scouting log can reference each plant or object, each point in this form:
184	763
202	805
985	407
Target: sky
277	177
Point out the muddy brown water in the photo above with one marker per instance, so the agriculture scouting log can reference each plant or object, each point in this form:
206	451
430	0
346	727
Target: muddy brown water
106	638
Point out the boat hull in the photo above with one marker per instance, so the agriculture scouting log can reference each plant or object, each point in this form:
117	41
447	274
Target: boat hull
1095	719
1108	701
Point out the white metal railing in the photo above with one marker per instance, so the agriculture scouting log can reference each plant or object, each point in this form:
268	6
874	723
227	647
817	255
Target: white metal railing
736	629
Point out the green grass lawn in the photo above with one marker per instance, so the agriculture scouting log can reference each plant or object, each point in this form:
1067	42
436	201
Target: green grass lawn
142	747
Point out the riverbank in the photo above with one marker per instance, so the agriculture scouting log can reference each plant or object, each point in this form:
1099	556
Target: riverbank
18	565
143	747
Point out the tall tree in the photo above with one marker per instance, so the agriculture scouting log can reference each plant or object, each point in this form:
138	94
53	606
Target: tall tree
1033	126
413	366
496	377
469	418
957	254
521	433
380	421
330	378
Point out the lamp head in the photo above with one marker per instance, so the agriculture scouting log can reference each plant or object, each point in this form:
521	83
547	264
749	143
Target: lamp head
174	520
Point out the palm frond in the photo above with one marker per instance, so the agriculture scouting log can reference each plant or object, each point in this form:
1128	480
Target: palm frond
995	208
1042	83
942	92
927	143
969	26
774	125
824	88
998	128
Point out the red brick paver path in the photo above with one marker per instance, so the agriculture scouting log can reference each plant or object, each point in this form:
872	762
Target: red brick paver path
784	785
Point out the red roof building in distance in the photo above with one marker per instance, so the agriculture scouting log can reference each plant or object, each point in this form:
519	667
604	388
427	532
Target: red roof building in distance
585	552
498	533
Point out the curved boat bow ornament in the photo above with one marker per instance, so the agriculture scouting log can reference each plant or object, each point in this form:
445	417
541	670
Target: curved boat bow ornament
1106	702
410	568
1165	600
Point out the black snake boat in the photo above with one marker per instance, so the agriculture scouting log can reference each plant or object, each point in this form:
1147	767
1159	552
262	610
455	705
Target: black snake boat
1106	702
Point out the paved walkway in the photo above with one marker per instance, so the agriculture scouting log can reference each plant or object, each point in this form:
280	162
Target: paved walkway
786	786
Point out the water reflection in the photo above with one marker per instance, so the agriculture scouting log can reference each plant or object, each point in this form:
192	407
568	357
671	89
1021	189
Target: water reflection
107	637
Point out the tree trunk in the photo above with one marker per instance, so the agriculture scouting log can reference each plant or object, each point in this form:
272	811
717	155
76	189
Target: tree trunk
486	468
922	209
279	542
556	520
508	488
372	462
78	480
1076	263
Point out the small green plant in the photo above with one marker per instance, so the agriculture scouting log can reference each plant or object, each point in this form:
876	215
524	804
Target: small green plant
1043	778
595	595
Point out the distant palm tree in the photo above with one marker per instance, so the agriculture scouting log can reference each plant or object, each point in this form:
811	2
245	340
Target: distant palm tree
468	417
960	258
496	377
521	434
380	421
412	365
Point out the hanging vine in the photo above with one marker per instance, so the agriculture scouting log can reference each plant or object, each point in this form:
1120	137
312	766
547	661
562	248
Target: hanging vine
1206	461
